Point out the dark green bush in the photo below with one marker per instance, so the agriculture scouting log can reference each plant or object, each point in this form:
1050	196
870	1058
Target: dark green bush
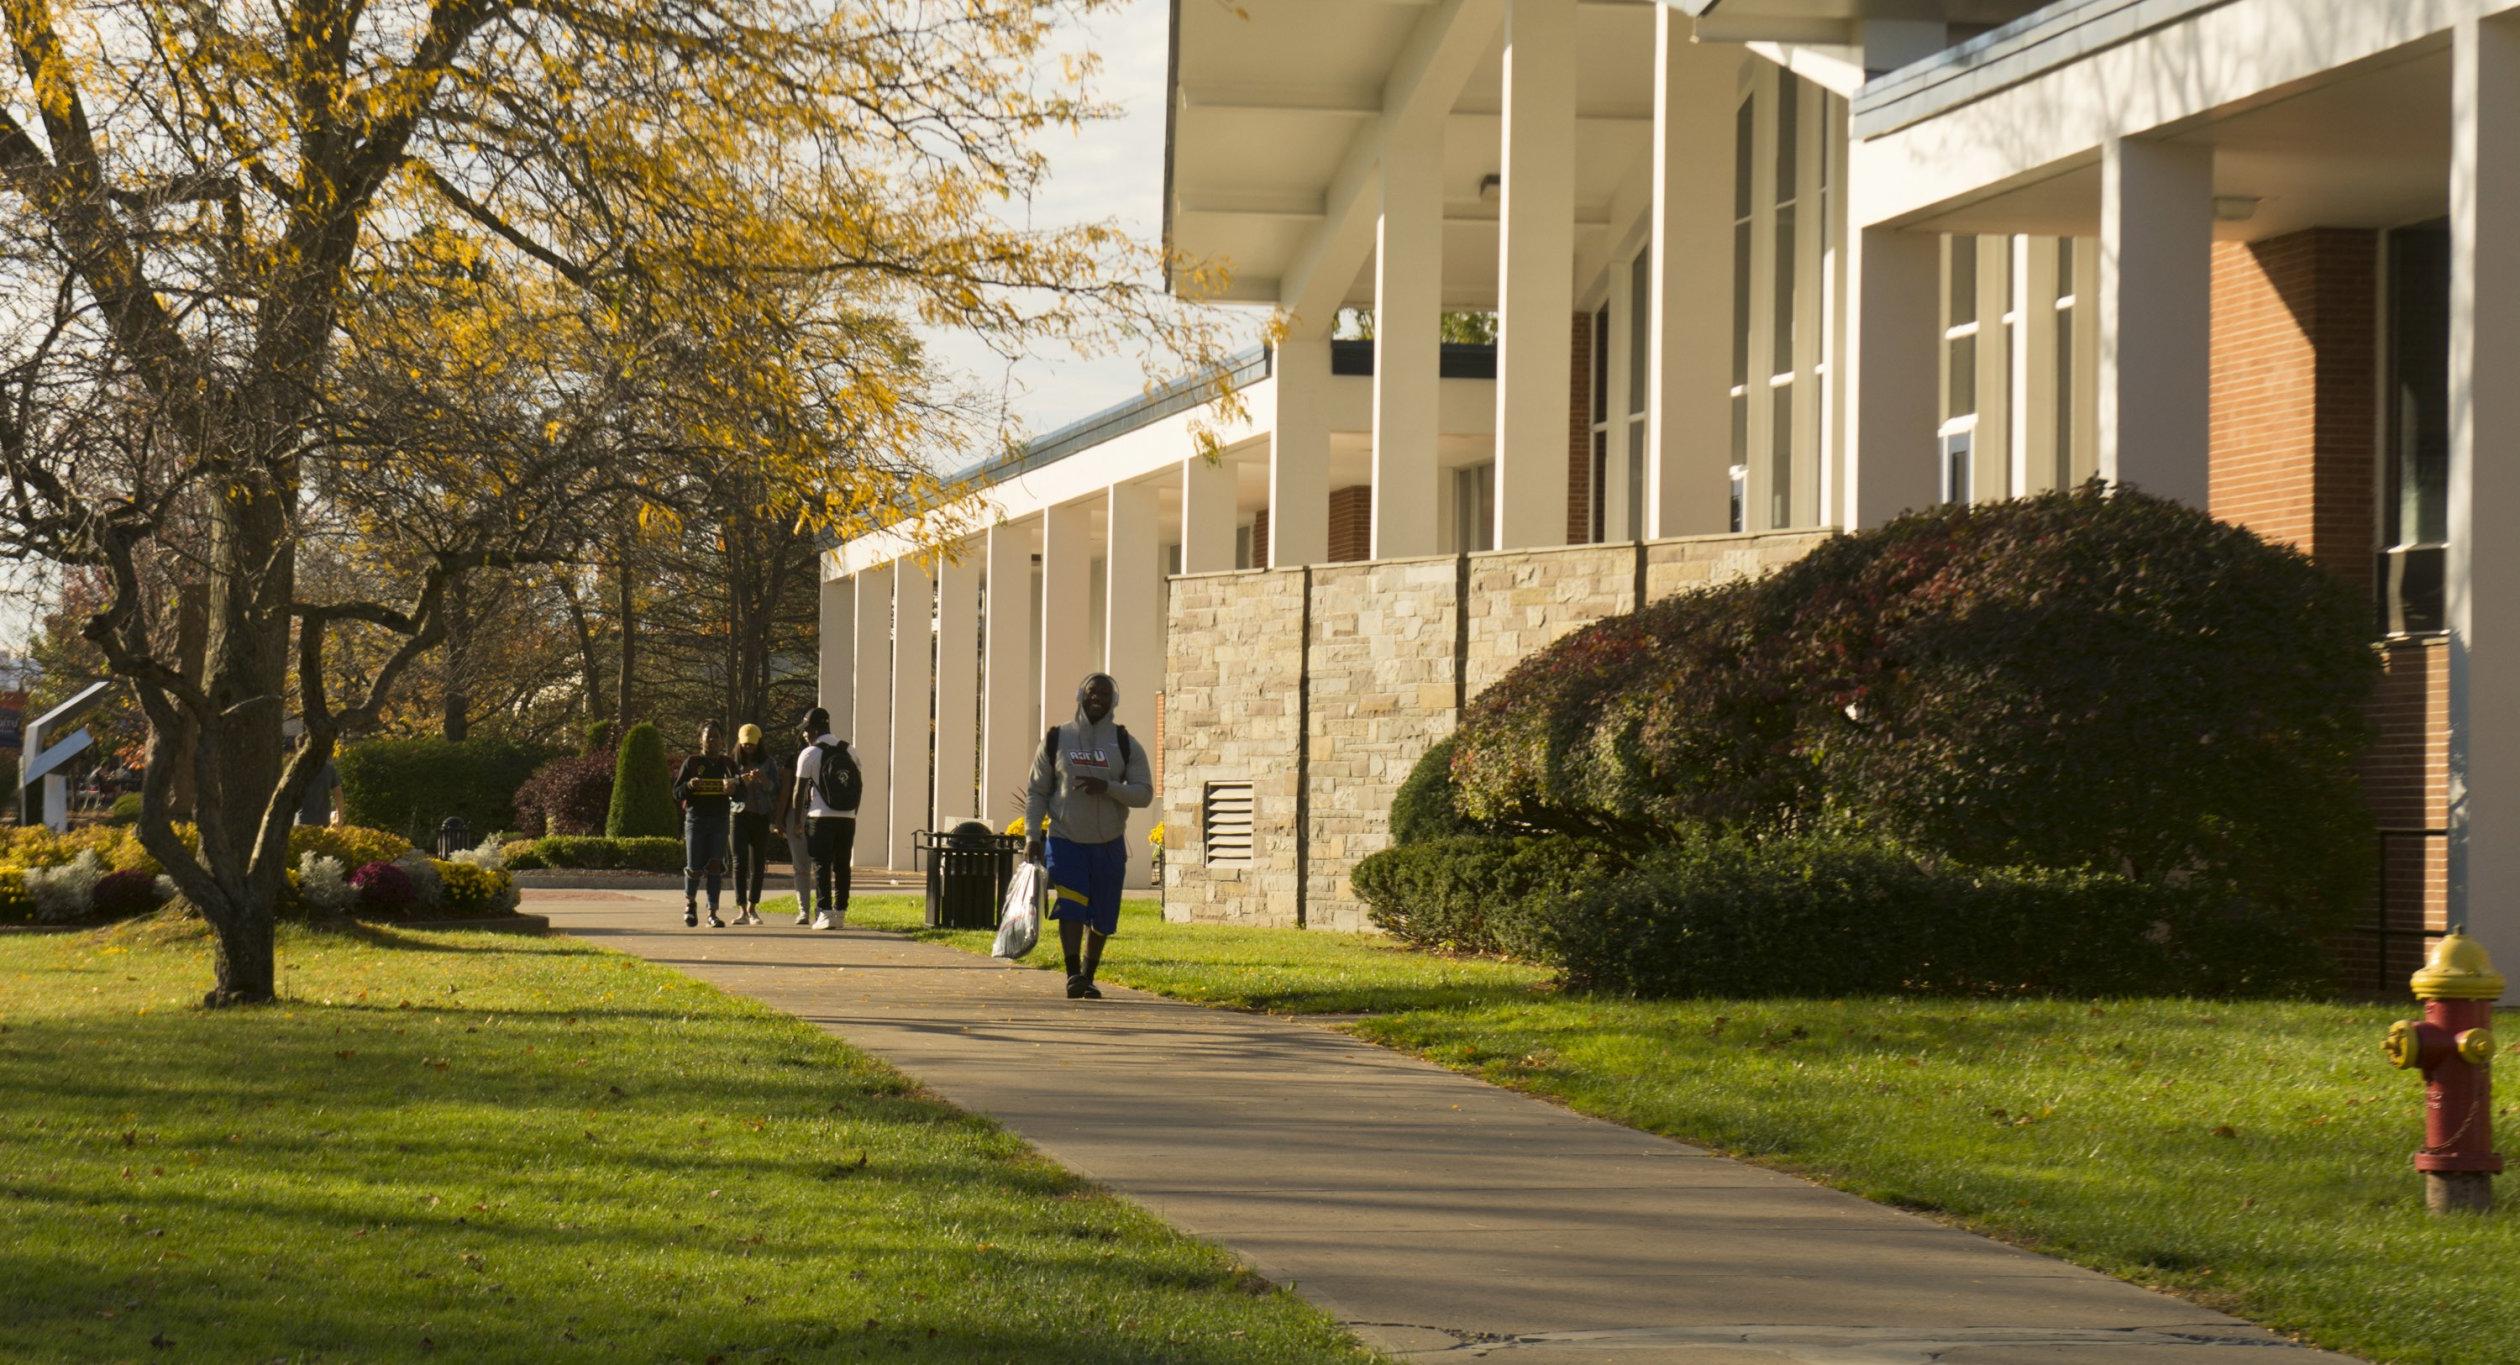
1834	916
640	854
599	738
2107	681
643	790
125	810
406	786
1427	806
1481	893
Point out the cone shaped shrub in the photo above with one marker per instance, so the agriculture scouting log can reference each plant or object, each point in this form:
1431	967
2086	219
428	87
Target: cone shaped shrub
2075	680
642	791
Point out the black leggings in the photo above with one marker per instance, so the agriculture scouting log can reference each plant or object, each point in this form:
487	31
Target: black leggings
752	855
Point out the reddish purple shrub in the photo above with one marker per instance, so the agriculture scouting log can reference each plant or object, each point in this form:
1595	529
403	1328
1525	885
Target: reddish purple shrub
567	796
121	895
384	889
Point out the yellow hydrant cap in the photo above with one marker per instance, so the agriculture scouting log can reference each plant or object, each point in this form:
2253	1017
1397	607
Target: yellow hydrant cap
2459	970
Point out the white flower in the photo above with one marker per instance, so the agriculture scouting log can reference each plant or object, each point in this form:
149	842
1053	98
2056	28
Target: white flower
68	891
323	885
489	857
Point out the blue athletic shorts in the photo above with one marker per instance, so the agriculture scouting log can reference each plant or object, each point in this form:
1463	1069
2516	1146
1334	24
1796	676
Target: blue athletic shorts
1085	882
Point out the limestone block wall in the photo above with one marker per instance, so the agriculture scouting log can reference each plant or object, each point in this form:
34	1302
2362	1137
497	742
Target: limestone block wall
1323	686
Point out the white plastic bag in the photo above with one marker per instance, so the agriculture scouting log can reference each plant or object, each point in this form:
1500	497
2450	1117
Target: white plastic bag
1019	927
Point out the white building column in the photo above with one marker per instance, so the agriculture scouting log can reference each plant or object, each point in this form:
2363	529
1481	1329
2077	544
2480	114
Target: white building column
2156	315
1012	692
870	729
1535	274
1067	594
2482	573
1133	634
957	689
1299	456
913	673
1894	296
835	682
1408	334
1688	456
1207	515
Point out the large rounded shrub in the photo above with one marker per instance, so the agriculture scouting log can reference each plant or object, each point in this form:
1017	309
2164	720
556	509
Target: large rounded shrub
642	791
1428	804
2075	680
1481	893
570	795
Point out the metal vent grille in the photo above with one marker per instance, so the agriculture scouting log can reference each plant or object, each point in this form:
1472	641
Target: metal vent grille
1225	817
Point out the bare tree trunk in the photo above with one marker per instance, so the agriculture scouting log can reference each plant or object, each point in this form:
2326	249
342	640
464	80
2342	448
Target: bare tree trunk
457	718
253	579
582	625
192	631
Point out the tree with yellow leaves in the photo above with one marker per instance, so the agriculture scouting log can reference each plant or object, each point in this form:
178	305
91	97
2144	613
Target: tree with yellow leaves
397	291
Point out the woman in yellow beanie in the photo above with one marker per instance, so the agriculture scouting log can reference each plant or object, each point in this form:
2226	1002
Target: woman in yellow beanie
756	795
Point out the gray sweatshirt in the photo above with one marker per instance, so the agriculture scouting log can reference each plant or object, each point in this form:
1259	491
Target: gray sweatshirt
1085	749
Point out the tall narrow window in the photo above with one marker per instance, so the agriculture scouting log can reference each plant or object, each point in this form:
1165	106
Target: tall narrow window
1640	376
1786	276
1959	363
2065	360
1600	422
2415	490
1745	149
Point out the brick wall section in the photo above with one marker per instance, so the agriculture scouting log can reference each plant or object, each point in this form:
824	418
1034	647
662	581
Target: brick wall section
1351	523
2406	776
1260	539
2294	383
1374	680
1579	435
1382	691
1234	672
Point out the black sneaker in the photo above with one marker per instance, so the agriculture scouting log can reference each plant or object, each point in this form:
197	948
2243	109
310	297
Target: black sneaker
1091	992
691	918
1078	988
715	922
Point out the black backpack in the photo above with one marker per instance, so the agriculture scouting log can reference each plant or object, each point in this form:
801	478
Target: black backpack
1050	746
838	783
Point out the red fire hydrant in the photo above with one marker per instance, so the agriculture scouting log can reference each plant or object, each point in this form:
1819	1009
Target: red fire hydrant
2454	1046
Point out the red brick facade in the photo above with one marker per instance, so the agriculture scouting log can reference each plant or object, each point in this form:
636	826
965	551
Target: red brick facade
1260	539
1351	524
1579	435
2295	384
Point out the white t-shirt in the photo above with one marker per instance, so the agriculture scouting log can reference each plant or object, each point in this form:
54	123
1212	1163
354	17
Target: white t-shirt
809	768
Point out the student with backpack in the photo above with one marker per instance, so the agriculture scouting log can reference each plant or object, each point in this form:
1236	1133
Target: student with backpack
829	783
1087	779
703	788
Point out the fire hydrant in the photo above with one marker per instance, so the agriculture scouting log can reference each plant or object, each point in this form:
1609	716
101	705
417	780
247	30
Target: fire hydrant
2454	1046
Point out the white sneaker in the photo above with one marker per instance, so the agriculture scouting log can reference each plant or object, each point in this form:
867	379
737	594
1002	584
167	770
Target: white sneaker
824	922
803	918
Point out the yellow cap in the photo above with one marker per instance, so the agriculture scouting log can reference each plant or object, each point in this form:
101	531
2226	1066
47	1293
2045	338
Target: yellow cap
2459	970
749	734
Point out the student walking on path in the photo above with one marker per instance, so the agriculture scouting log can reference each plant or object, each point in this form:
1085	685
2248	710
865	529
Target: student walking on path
1088	778
828	784
704	787
790	822
756	801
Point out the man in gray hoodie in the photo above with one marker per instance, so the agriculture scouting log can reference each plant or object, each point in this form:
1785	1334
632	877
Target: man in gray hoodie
1088	777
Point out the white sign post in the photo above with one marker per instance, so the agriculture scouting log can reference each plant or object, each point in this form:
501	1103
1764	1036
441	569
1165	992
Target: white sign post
44	792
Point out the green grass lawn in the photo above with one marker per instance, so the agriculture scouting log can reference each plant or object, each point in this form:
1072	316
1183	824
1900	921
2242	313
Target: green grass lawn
487	1147
2250	1156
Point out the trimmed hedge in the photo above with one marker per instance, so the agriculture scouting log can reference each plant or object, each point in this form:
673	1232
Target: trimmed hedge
2080	679
408	785
1481	893
1427	805
643	789
1827	916
643	854
569	795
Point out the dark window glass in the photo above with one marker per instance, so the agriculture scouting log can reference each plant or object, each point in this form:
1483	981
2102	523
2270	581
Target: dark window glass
2065	399
1963	376
1788	127
1740	429
2418	506
1640	326
1600	483
1636	481
1781	323
2064	267
1956	458
1601	364
1741	304
1743	147
1781	456
1963	275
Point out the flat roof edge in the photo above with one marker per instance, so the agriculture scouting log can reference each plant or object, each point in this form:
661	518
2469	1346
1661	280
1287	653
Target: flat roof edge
2039	42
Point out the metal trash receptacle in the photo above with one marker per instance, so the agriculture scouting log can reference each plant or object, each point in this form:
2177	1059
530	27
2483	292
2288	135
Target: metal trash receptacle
968	868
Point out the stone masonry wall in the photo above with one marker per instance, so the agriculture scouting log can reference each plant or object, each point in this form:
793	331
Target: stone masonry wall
1367	663
1233	701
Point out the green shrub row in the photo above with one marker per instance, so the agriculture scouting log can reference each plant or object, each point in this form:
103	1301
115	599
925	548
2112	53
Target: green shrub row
1476	893
407	786
643	854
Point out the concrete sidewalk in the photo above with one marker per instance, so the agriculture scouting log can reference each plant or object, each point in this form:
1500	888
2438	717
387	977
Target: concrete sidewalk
1435	1215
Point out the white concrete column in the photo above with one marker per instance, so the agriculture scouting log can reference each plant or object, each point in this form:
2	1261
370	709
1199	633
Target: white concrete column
1299	457
1408	335
1067	595
1133	635
1013	689
2156	315
836	647
2483	560
1207	515
913	675
1688	416
1535	273
870	729
1895	283
957	688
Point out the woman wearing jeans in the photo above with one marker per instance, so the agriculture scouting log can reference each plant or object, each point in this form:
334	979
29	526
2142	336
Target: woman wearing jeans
702	786
756	801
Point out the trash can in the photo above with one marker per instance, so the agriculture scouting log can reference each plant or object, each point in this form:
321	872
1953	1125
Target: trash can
453	837
968	869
